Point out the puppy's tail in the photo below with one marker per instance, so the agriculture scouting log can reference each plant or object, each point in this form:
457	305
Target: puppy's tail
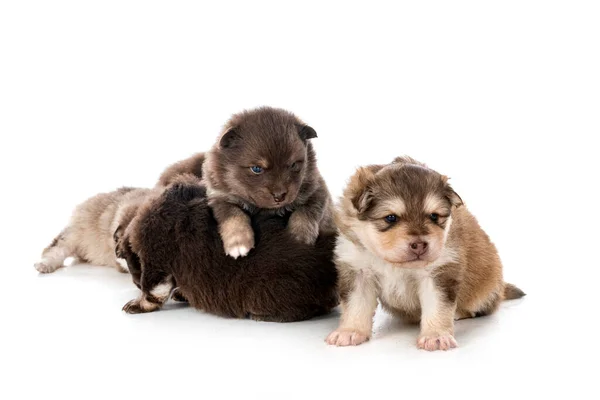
512	292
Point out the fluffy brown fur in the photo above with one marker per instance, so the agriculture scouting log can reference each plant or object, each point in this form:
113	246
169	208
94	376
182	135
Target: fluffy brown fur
189	166
408	240
262	162
90	235
174	243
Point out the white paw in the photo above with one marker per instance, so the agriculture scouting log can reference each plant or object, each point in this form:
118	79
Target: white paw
122	265
436	342
44	268
237	251
238	244
346	338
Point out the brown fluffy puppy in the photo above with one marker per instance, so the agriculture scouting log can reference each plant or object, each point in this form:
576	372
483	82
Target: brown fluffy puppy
408	240
174	242
263	161
90	235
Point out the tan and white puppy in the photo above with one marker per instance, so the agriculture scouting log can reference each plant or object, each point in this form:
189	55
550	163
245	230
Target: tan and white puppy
93	230
407	240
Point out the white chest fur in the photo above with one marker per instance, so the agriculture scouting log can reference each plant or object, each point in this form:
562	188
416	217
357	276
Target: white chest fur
398	287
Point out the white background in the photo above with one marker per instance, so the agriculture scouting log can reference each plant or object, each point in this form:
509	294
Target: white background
504	97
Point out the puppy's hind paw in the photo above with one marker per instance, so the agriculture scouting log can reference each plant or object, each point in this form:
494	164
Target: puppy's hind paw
44	268
178	296
436	342
346	338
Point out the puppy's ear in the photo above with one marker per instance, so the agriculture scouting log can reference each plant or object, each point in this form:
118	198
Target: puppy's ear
363	200
451	195
118	234
359	189
408	160
229	138
306	132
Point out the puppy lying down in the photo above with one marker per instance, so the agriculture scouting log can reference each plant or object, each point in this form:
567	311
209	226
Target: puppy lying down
174	243
90	235
407	240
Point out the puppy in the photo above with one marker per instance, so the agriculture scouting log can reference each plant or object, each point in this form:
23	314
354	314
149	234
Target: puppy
263	161
174	243
91	233
407	239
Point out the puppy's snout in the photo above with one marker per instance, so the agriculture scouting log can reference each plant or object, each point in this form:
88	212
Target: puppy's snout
418	247
279	196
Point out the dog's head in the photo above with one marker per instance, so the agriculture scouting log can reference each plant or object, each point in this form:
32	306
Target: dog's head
402	211
263	157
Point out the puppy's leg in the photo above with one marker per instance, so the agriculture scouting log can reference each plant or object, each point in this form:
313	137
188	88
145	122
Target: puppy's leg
438	307
156	289
234	228
305	221
125	254
358	309
482	309
55	254
303	226
120	263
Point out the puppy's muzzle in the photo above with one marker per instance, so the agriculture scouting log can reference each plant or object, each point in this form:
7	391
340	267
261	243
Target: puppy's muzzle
418	248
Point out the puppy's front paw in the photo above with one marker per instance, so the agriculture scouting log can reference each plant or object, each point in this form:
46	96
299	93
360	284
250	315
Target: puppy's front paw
140	305
237	251
133	307
239	243
303	230
341	337
436	342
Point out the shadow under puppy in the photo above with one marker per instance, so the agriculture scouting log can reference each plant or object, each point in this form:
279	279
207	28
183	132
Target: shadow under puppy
263	162
407	239
174	242
94	226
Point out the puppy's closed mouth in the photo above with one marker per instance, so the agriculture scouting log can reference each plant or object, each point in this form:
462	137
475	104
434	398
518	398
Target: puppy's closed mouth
280	205
416	262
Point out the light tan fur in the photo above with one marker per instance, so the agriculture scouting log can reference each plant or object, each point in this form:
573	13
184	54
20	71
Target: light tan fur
237	234
89	236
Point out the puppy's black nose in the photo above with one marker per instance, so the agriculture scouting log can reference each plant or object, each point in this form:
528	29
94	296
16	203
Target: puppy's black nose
279	197
419	248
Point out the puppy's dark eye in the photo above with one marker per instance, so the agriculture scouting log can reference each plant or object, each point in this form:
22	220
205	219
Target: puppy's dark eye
296	166
434	217
391	218
256	169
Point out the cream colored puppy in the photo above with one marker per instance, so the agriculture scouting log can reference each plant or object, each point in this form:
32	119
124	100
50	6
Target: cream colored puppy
407	240
94	227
